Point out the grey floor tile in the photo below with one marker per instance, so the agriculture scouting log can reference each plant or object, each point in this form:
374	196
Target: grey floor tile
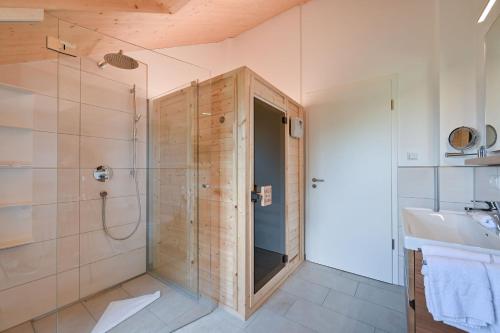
280	302
74	319
305	289
199	309
97	304
141	322
144	284
171	306
212	323
367	312
233	319
267	321
322	319
374	283
327	277
385	297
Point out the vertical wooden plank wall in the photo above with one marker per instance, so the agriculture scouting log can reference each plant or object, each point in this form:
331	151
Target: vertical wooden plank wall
293	182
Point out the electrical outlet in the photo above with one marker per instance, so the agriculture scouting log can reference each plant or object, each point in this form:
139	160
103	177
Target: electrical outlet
412	156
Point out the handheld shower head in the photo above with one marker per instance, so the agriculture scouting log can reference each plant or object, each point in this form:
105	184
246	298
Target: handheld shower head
138	117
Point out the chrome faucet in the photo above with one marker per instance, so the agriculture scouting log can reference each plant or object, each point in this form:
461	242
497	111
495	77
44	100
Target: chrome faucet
492	209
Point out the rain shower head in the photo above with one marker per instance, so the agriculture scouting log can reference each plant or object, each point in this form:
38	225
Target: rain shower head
118	60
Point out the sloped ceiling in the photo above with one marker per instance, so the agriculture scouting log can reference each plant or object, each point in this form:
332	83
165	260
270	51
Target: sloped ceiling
196	22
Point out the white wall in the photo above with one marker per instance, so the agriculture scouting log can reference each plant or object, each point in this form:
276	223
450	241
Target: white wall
434	47
344	42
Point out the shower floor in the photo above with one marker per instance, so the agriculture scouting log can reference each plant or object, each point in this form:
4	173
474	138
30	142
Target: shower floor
174	309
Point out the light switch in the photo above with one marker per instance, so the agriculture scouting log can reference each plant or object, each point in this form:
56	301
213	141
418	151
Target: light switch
412	156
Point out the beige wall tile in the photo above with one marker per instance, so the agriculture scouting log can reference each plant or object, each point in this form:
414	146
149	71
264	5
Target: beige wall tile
16	108
19	108
68	253
45	113
68	185
20	147
69	61
36	76
16	224
44	222
106	93
68	288
16	186
69	117
68	218
44	150
68	151
106	273
96	245
15	309
119	211
121	184
98	151
44	186
69	83
27	263
106	123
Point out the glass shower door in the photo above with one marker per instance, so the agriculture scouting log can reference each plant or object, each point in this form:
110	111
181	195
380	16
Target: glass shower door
173	188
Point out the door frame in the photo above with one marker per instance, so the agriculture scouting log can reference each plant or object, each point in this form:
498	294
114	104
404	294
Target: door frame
394	167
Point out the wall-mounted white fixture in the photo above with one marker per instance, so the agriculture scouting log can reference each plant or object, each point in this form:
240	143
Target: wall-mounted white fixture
21	15
296	127
486	11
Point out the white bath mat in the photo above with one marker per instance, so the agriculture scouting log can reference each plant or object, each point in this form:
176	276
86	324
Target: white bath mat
119	311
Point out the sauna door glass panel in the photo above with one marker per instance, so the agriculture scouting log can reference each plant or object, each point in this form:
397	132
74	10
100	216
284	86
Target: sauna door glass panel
269	170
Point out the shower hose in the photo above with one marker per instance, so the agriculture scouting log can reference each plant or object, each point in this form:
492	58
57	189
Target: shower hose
133	172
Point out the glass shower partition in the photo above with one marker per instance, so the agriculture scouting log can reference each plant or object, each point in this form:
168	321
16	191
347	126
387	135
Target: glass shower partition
64	255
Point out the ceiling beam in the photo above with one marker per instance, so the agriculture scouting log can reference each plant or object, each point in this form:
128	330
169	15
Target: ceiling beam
139	6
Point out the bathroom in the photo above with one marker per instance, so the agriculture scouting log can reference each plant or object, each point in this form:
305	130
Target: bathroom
167	165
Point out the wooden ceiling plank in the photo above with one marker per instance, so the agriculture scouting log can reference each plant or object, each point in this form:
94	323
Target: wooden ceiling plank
139	6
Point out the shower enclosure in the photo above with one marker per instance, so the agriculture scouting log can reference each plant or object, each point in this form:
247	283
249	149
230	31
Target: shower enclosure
100	181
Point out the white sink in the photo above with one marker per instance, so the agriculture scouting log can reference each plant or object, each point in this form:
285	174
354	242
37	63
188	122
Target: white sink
447	228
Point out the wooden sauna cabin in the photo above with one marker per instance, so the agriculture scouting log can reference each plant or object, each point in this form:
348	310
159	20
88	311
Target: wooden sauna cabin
245	165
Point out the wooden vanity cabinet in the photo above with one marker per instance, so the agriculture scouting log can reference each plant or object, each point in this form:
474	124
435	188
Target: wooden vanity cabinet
419	318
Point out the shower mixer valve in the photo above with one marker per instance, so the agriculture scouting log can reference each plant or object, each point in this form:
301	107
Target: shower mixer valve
103	173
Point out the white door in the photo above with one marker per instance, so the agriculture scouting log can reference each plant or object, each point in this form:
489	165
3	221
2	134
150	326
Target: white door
348	224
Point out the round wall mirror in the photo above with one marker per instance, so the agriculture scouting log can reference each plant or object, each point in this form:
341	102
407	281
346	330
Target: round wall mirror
491	136
463	138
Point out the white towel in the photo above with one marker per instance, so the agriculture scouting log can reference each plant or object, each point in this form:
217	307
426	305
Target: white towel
458	292
494	277
455	253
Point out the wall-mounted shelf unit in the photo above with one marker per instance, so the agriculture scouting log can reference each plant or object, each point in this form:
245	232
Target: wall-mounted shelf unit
488	160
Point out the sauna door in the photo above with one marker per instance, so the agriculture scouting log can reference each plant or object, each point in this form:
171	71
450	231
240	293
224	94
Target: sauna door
269	172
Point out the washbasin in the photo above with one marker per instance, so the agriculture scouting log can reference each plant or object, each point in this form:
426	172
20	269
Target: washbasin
447	228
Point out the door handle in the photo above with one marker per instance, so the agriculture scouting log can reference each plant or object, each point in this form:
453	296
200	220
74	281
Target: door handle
317	180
